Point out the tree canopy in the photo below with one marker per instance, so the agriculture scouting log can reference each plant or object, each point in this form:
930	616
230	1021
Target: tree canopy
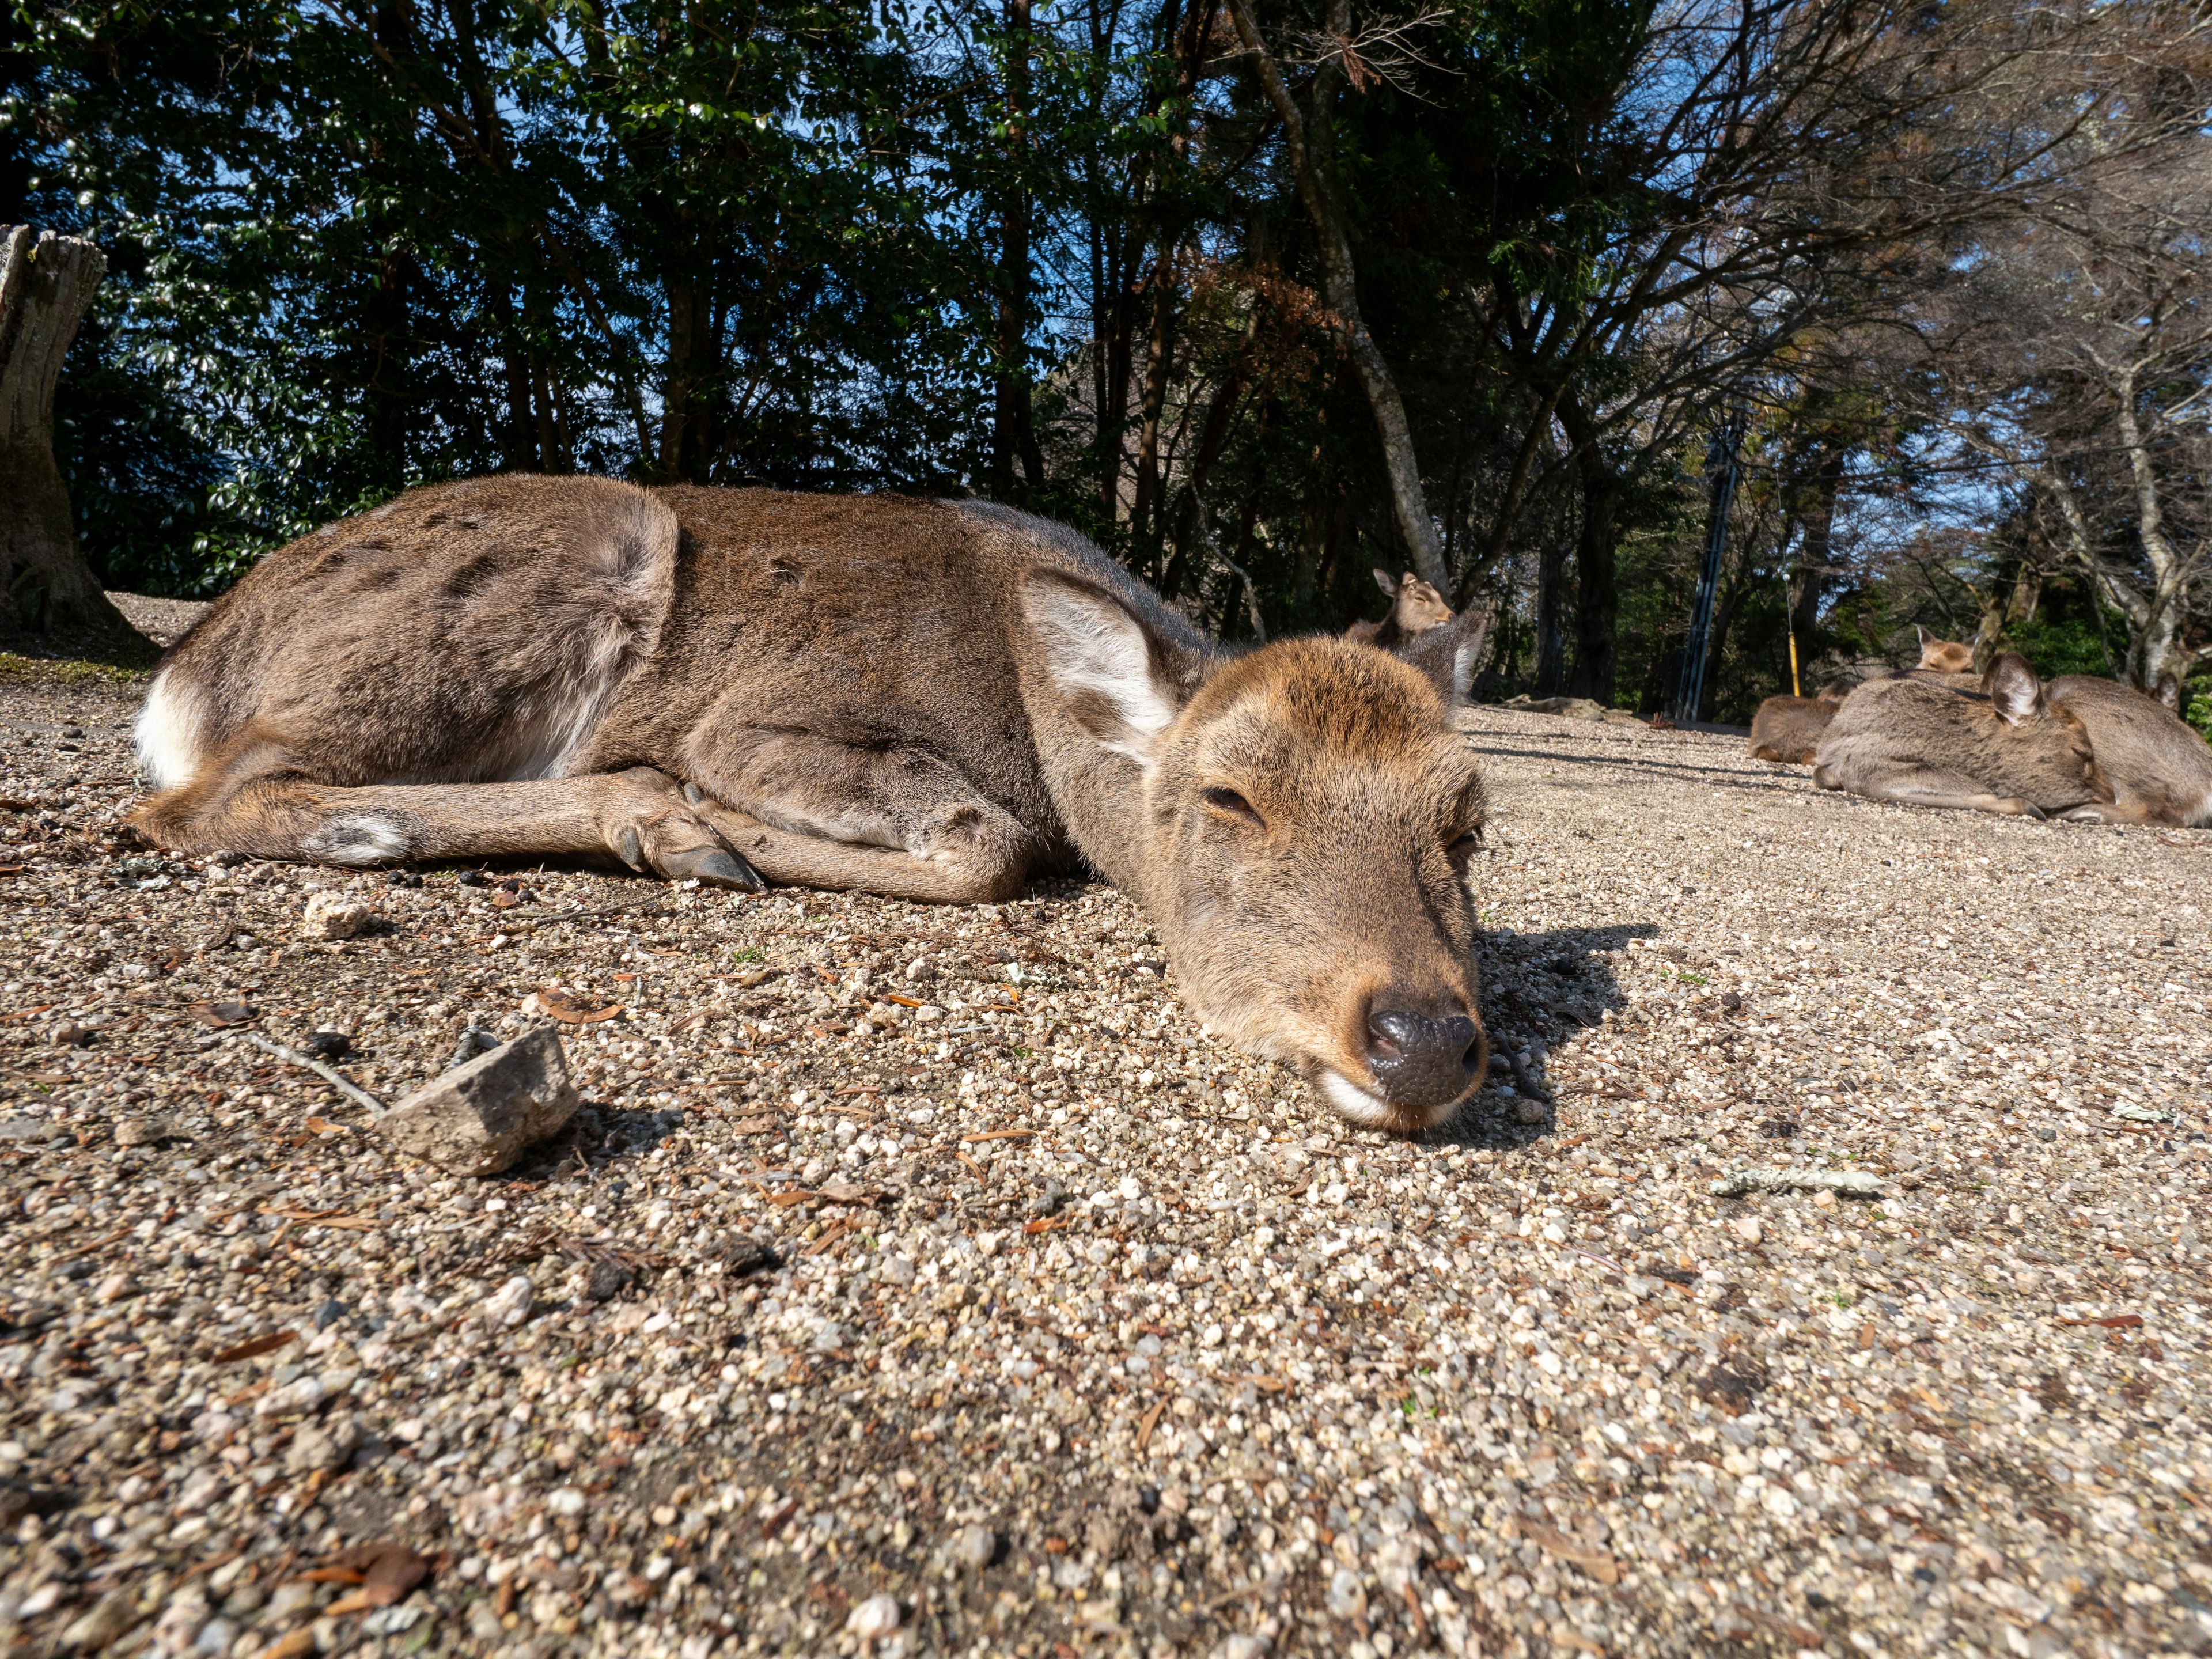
1264	293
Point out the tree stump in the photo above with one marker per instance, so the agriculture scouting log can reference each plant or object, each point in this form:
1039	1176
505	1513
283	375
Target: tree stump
45	285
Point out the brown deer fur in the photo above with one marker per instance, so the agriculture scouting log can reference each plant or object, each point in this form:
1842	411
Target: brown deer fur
1788	729
1415	608
2160	768
2005	749
924	700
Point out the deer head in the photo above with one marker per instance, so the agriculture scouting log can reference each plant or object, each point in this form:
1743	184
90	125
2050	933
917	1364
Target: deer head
1302	817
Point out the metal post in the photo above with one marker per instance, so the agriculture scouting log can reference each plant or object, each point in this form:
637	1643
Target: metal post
1721	463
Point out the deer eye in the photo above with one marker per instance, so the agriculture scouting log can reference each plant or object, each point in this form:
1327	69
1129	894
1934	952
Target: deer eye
1229	801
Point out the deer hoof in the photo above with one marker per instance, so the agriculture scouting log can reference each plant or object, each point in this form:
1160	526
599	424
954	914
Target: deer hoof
629	846
715	867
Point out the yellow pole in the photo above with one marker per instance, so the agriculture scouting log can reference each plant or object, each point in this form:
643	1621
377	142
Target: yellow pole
1795	690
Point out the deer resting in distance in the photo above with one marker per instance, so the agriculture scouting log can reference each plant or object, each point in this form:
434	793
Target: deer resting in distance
1415	608
1943	656
2160	768
1788	729
924	700
2006	748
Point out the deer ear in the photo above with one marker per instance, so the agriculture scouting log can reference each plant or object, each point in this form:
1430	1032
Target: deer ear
2169	691
1386	582
1112	669
2011	685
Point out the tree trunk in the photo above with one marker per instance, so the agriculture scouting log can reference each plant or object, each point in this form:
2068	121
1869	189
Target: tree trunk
1014	434
1597	595
46	286
1341	280
1810	581
1551	619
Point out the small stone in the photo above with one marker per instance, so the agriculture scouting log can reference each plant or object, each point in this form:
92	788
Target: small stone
1824	1199
288	1600
1526	1110
141	1130
72	1035
1347	1597
334	916
509	1305
109	1616
301	1394
328	1447
476	1119
329	1314
877	1616
113	1288
609	1279
974	1546
327	1045
1748	1229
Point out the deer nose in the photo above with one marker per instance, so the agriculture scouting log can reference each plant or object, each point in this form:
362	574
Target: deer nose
1420	1061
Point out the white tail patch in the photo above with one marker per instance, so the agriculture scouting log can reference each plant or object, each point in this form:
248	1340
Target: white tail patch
168	732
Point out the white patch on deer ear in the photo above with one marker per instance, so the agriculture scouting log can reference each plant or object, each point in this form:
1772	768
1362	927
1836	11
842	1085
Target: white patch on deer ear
1103	661
2013	689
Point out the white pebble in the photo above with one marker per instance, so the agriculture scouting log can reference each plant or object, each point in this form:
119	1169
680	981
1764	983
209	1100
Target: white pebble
876	1616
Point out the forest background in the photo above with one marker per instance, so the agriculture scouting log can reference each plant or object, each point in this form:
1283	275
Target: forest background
1910	294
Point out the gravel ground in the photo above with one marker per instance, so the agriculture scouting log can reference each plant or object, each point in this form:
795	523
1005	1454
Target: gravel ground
163	621
1121	1345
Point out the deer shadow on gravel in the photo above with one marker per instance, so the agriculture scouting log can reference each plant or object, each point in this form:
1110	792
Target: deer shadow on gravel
1537	990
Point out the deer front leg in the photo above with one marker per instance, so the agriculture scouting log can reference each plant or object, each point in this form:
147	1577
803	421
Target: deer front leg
639	816
983	870
1922	786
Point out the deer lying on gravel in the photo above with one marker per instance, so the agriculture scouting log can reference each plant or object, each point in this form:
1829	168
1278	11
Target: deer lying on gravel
2160	768
1415	608
1788	729
2006	748
924	700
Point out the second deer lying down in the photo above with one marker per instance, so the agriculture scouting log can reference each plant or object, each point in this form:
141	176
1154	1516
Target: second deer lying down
1788	729
923	700
1415	608
2005	749
2159	769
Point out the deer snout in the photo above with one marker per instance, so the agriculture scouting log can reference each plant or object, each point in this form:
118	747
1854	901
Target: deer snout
1420	1061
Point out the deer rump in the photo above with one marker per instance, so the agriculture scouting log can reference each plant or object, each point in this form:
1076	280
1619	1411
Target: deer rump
923	700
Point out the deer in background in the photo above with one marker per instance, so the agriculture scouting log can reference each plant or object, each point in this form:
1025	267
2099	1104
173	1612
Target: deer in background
931	701
2005	749
1415	608
2159	767
1788	729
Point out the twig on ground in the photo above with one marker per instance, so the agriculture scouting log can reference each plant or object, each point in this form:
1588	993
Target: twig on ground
343	1085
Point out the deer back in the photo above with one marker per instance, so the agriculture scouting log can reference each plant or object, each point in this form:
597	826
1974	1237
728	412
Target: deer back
2159	765
2007	738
